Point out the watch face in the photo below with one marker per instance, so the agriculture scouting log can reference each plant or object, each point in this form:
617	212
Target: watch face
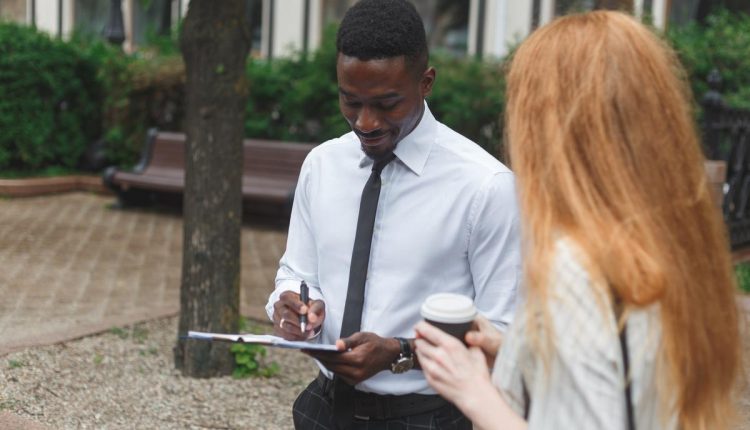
402	365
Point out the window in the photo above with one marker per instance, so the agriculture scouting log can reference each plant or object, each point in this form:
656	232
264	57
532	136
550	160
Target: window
446	22
151	18
563	7
91	16
254	18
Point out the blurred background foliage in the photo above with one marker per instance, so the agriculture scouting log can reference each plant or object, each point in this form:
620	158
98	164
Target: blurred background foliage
721	42
84	104
49	100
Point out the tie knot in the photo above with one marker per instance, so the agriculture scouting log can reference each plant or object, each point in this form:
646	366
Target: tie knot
380	164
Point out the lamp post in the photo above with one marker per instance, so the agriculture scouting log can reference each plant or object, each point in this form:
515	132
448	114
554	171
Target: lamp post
114	31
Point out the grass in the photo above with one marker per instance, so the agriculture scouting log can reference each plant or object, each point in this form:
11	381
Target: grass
138	333
7	404
15	364
152	350
742	271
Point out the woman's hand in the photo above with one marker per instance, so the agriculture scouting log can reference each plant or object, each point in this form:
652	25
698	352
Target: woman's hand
462	377
450	368
486	337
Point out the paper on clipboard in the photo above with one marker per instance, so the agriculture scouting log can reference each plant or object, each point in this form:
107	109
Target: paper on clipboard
261	339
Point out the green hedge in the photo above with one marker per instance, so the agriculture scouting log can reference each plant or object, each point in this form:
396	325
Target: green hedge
49	101
724	43
469	96
296	98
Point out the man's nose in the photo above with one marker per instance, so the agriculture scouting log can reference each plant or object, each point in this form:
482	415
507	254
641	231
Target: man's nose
367	121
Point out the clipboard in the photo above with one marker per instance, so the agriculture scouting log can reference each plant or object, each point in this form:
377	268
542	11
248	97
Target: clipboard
261	339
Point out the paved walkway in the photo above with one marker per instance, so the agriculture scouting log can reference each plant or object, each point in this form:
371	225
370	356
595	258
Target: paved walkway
71	266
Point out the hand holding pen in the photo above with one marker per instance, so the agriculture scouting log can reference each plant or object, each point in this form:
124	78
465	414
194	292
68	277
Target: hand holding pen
296	315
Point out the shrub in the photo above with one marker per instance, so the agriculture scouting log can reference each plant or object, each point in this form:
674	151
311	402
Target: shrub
742	271
142	90
469	96
49	98
723	42
250	359
297	98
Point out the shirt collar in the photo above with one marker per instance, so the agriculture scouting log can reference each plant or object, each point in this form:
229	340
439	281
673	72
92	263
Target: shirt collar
413	149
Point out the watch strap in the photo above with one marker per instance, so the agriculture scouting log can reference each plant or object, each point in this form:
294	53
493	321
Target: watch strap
405	347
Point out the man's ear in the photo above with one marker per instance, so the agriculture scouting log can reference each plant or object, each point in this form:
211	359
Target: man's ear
428	78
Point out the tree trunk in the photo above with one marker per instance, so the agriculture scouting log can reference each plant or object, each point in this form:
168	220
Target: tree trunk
215	42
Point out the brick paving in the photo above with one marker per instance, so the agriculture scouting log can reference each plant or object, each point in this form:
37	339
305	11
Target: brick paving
73	266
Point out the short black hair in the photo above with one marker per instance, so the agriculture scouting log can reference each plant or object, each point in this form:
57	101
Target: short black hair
377	29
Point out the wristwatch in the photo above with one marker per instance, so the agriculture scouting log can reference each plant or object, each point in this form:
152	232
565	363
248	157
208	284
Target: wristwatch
405	360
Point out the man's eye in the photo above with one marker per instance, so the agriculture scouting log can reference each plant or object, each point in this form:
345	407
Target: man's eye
388	106
352	104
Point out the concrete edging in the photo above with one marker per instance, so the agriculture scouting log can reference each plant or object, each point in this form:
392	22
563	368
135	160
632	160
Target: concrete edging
29	187
67	334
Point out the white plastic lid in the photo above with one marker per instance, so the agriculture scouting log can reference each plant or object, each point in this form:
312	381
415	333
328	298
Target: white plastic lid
448	308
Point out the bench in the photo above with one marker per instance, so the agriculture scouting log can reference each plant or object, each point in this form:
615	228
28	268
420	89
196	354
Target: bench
270	171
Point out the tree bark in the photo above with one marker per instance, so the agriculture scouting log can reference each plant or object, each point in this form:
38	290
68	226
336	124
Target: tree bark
214	42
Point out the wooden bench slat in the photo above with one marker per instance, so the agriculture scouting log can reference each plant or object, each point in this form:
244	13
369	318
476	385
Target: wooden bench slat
270	168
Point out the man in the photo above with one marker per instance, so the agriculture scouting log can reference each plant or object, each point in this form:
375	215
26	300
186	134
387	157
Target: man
440	216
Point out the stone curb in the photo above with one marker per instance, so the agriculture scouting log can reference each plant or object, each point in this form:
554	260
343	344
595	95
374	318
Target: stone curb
39	186
77	331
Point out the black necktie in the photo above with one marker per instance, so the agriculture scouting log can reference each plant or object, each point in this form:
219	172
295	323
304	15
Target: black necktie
355	296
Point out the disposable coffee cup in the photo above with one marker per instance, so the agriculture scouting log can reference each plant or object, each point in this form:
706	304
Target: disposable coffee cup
452	313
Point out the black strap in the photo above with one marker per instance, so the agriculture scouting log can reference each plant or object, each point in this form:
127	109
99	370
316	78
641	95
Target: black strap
626	370
343	406
526	399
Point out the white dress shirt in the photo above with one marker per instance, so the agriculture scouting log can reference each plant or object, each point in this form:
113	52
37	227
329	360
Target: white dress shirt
582	385
447	221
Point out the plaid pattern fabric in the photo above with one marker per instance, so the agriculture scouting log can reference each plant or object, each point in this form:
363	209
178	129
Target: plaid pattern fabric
583	385
313	410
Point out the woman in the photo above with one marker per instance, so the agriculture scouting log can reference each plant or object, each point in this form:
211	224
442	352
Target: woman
619	232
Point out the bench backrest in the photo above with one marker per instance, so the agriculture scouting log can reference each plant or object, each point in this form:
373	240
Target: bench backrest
274	158
162	150
268	158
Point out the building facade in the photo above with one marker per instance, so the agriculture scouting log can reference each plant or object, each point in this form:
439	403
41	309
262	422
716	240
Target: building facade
481	28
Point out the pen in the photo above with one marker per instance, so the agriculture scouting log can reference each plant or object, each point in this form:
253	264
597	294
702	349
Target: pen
304	296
